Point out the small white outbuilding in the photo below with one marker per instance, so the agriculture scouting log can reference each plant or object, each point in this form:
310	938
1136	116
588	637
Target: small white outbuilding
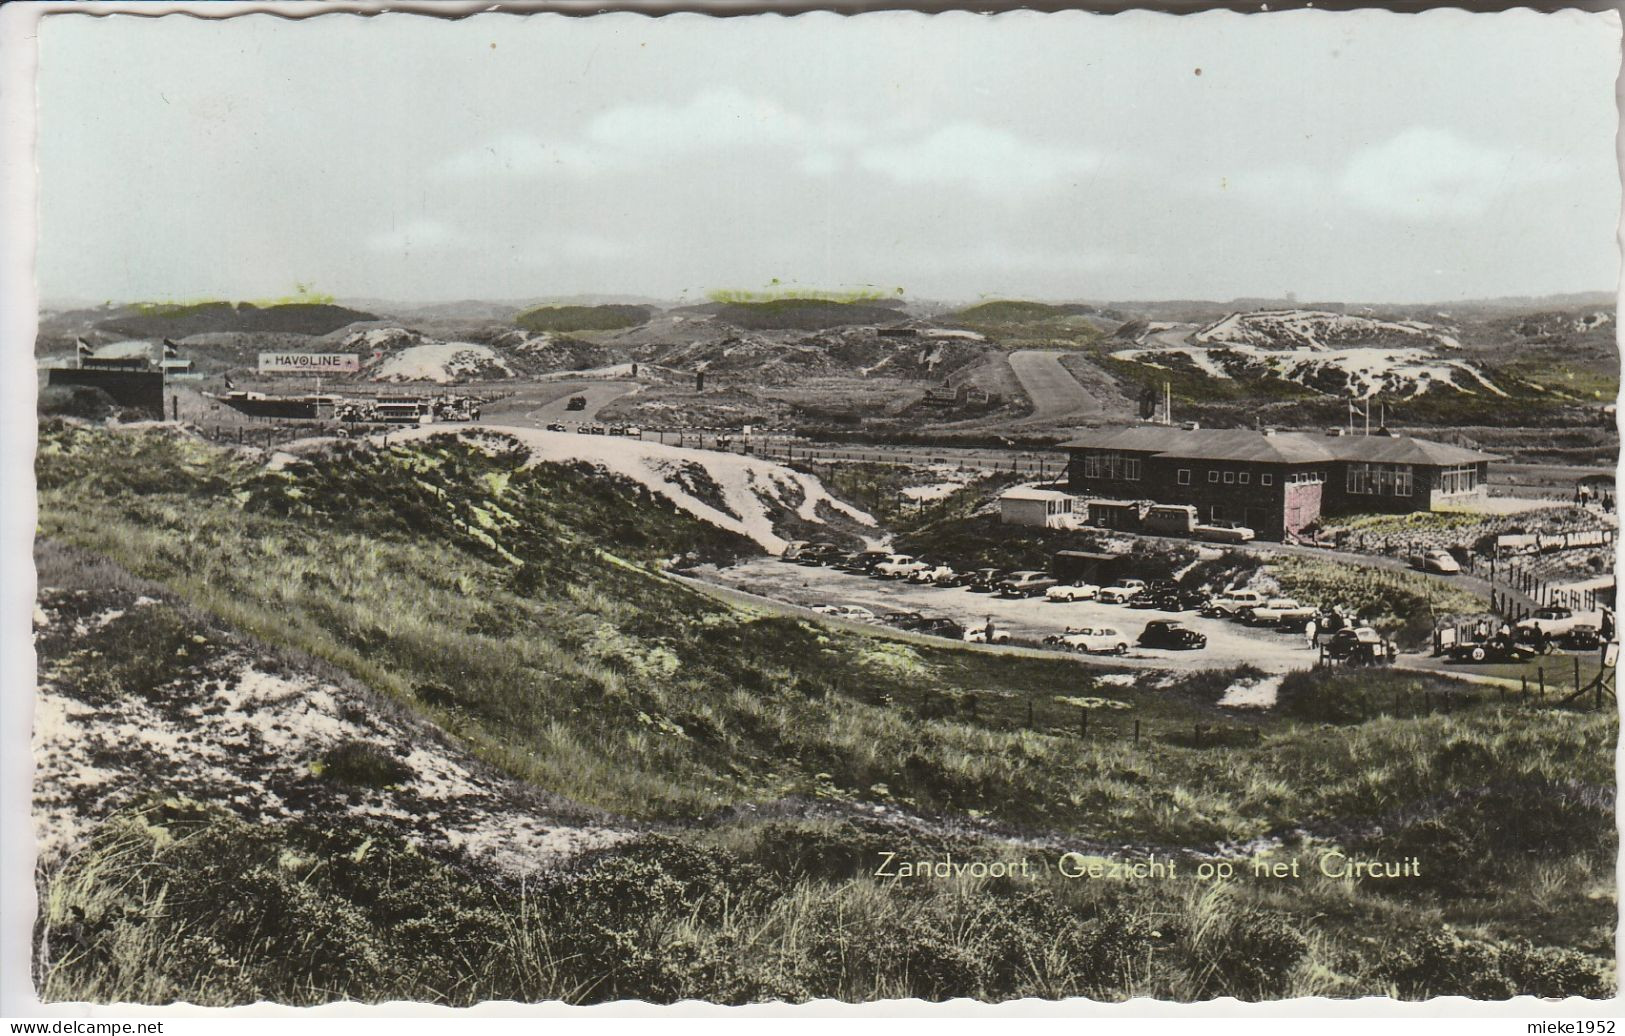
1043	508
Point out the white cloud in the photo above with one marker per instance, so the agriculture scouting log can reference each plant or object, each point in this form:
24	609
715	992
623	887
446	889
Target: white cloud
985	158
1429	173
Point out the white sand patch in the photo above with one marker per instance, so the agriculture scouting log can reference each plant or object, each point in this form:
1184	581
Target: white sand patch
934	491
618	370
754	490
251	739
1252	694
443	363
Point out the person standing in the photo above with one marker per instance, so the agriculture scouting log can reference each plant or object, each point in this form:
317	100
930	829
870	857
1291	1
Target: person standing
1311	633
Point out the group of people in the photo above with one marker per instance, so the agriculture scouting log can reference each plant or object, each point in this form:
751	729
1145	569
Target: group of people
1585	495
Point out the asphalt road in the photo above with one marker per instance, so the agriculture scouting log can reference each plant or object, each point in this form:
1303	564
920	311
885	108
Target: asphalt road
1055	393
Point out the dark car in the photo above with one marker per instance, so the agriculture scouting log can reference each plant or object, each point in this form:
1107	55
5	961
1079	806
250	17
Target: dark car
556	427
576	403
941	627
1164	633
1149	600
984	580
818	554
903	620
1584	637
1360	645
1025	584
1495	649
863	562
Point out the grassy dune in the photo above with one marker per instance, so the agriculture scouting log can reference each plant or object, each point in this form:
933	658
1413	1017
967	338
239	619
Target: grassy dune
522	609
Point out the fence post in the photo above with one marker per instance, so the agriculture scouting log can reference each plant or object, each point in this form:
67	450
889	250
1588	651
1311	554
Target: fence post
1541	674
1577	673
1085	722
1029	713
1136	731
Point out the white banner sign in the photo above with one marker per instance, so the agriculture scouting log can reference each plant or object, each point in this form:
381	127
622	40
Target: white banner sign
309	363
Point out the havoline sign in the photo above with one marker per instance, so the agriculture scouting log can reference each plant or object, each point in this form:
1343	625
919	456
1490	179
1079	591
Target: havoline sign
309	363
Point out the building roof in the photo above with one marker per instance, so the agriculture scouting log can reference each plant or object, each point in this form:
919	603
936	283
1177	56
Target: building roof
1032	493
1248	445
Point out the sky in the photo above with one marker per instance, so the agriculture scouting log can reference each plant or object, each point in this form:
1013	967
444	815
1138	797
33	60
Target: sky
1361	156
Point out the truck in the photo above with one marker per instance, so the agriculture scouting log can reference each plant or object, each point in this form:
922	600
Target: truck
1233	604
1170	519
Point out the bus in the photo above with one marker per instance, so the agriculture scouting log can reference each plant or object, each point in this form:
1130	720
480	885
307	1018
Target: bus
1171	519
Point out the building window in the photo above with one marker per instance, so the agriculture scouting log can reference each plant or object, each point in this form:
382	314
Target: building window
1266	479
1213	476
1131	468
1462	479
1184	477
1402	480
1358	479
1244	477
1229	477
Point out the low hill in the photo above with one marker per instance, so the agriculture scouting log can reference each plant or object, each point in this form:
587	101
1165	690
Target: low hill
803	314
582	318
178	321
1019	312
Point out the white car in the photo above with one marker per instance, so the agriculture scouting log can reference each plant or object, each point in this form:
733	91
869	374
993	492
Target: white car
1553	622
933	576
1121	590
899	566
850	612
1439	561
1232	603
1073	592
1225	532
1108	641
1279	610
978	635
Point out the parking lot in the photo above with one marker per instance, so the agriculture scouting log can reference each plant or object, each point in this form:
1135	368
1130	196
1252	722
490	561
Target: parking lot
1026	619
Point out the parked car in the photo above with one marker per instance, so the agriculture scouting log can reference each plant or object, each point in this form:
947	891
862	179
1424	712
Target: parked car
1121	590
1095	641
934	575
899	566
984	580
938	626
1438	561
1280	611
1360	645
1552	622
903	620
1154	595
1025	584
863	562
792	550
1582	637
1079	591
1233	603
851	612
978	635
1165	633
1225	532
632	431
617	429
556	427
818	554
595	429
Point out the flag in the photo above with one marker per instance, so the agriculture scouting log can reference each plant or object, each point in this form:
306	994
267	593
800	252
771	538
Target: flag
229	386
171	350
85	349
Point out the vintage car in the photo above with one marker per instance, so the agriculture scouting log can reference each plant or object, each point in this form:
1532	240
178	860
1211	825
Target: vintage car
850	612
1494	649
1225	532
1233	604
1166	633
1025	584
1121	590
1552	622
1439	561
983	580
1280	611
1093	640
978	635
863	562
1079	591
934	575
1360	645
818	554
899	566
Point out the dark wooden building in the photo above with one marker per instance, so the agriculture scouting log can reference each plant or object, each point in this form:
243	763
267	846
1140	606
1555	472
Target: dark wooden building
1273	482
